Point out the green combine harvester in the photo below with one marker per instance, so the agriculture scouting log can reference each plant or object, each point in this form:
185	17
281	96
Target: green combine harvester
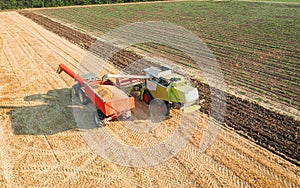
171	89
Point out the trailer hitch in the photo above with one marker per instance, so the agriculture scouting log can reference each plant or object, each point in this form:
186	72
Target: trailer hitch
59	70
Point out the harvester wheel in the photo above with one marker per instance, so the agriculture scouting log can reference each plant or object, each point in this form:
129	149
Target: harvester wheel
165	109
99	118
147	97
75	89
82	97
159	109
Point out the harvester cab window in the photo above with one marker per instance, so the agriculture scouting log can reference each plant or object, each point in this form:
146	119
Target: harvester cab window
155	79
163	82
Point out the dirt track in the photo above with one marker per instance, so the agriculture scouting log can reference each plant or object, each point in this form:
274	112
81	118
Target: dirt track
41	145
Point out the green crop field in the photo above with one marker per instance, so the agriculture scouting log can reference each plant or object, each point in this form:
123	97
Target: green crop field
257	44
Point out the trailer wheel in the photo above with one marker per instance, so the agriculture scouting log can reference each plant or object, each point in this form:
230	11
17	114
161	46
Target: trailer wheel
75	89
99	118
125	116
82	97
147	97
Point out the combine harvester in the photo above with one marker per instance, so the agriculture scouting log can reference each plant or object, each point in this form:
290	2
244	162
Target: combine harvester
171	90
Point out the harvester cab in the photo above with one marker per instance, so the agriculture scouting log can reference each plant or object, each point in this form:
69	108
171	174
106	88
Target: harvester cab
172	88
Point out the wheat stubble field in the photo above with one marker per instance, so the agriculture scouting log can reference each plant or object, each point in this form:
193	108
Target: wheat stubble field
42	146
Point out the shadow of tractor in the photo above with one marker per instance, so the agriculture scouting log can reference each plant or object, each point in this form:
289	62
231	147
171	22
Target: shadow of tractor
55	115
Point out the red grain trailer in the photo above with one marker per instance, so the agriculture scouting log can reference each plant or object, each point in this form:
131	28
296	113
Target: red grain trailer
117	106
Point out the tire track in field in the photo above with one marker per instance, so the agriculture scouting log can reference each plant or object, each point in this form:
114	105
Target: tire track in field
40	60
145	176
15	63
270	161
214	178
258	170
197	161
61	49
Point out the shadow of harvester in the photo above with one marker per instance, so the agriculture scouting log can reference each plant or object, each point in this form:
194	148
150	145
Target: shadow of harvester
55	116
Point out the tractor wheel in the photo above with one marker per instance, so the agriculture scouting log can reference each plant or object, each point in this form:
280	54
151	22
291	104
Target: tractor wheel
75	89
147	97
99	118
165	109
82	97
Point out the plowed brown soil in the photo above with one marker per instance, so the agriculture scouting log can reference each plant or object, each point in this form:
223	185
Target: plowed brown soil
42	146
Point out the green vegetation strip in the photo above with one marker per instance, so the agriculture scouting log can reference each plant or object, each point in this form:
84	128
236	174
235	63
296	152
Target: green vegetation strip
20	4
